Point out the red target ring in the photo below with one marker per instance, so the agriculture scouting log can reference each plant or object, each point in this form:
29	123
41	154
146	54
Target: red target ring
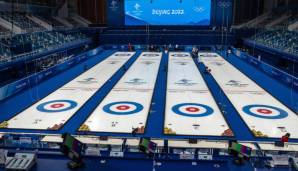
122	107
192	109
264	111
57	105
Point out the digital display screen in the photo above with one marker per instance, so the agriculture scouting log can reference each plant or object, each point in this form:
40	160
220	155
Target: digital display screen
167	12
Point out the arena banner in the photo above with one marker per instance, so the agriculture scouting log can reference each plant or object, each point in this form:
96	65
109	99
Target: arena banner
254	61
115	12
161	12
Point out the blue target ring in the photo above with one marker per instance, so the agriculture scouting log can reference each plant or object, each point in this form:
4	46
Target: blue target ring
282	114
176	109
138	108
41	107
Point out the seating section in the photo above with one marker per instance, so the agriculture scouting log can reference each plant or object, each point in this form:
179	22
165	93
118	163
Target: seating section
284	40
33	37
288	21
20	20
74	23
271	18
50	20
13	73
4	53
11	48
281	24
279	17
34	2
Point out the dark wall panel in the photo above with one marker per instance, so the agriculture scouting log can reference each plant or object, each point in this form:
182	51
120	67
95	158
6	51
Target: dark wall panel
93	10
246	10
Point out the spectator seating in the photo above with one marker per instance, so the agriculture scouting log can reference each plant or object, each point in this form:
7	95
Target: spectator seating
20	20
283	40
10	47
35	38
50	20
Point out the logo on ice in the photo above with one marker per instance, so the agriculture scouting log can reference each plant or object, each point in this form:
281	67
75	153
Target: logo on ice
235	83
136	81
185	82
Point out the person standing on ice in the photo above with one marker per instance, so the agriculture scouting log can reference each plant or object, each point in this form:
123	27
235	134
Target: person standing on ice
285	138
129	47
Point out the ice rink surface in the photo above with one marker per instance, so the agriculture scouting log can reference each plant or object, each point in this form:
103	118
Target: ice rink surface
53	111
263	114
127	105
190	107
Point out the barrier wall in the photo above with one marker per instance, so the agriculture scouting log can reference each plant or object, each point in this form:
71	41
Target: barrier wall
15	87
208	38
285	78
124	47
